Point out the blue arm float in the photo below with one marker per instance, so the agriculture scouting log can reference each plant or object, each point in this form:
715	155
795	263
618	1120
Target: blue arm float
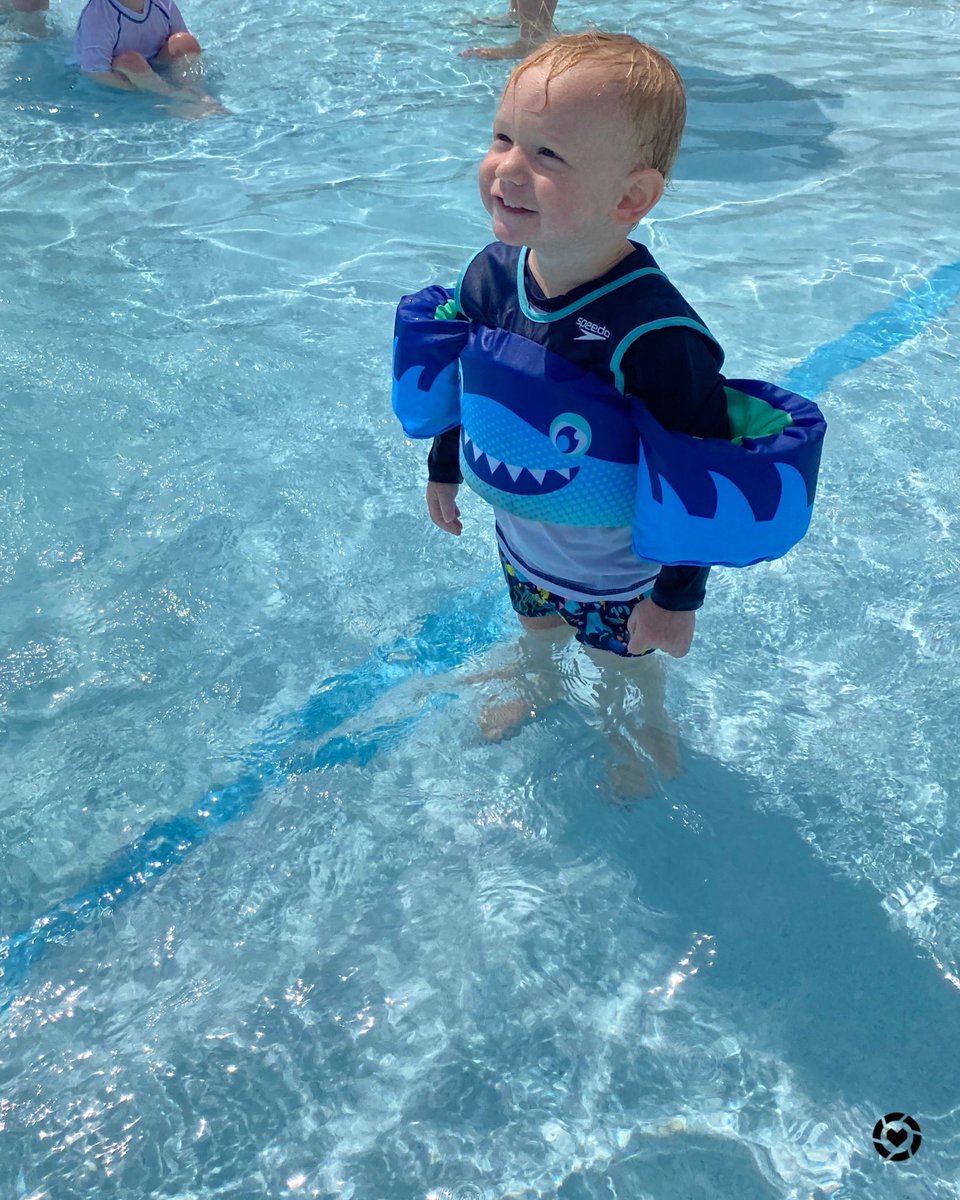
426	376
708	502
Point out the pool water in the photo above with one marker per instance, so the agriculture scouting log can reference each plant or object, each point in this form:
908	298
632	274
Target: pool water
406	963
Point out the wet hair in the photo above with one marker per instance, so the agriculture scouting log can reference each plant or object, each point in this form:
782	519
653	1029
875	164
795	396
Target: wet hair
652	91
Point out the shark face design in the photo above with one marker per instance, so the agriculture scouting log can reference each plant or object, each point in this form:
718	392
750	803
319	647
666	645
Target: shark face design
542	474
543	439
517	480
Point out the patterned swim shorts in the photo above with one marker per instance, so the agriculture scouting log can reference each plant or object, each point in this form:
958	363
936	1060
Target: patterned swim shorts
600	624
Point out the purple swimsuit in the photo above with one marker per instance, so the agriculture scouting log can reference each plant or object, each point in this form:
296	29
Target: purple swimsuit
106	29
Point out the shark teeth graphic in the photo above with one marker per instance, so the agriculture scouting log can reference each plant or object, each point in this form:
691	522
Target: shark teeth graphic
507	477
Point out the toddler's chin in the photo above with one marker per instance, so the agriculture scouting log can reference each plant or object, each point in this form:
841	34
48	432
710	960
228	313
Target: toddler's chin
509	237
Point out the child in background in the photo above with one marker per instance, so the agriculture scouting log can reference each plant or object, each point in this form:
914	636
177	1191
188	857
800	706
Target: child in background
120	45
27	16
510	17
535	18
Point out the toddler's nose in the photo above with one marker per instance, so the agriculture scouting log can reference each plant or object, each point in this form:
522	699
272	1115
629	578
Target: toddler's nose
512	166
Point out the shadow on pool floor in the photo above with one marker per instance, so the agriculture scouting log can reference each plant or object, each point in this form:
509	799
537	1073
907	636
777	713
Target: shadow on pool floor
858	1010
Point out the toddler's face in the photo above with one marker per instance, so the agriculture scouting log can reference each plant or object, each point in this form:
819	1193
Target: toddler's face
555	172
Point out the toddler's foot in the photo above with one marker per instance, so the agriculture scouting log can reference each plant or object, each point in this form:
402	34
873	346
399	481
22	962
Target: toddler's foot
631	780
629	774
663	746
518	49
504	716
502	719
510	18
193	108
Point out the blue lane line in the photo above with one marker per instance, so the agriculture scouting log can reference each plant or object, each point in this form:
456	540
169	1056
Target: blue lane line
880	333
444	641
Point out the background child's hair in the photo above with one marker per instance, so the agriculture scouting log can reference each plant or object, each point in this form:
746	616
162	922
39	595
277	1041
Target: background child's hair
652	89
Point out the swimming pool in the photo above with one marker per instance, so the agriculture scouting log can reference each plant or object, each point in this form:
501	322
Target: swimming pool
408	963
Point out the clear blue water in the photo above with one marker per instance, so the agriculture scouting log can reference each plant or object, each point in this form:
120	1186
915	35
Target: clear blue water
454	969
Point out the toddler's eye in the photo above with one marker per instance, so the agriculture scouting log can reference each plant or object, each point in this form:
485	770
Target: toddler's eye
570	434
548	153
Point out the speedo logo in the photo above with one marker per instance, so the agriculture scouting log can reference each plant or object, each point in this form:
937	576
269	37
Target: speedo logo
590	332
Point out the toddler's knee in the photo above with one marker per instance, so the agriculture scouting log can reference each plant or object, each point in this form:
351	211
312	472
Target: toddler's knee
130	62
28	6
179	44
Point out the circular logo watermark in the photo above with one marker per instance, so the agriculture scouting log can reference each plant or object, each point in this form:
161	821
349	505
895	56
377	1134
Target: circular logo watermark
460	1191
896	1137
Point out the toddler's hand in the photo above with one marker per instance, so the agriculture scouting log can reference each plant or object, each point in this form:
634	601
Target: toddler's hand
650	625
442	506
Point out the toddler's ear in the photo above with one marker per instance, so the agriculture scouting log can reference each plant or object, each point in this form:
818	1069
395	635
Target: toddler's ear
644	188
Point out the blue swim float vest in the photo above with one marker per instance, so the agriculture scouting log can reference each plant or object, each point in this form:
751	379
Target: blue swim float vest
546	440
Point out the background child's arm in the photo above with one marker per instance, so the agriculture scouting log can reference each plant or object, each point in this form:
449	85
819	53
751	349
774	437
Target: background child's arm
94	49
112	79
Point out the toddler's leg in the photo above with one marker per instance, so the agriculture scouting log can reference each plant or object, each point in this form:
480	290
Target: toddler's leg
536	19
528	683
532	679
27	16
542	624
181	57
631	694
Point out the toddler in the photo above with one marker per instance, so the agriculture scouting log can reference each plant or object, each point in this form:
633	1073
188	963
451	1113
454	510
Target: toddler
121	45
579	392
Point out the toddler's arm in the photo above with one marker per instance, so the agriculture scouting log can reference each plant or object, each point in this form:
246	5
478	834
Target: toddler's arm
443	467
442	506
649	625
429	335
676	372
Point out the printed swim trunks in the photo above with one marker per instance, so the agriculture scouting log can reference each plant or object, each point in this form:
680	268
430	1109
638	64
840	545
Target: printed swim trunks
600	624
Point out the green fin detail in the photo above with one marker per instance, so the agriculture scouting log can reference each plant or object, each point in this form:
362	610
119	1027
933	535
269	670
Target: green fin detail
753	418
447	312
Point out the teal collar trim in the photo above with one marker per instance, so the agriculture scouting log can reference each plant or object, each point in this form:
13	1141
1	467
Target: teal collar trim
463	275
532	315
664	323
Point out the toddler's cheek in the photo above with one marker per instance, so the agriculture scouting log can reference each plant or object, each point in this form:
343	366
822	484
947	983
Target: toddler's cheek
486	183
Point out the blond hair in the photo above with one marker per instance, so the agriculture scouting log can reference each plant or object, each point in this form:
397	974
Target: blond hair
652	91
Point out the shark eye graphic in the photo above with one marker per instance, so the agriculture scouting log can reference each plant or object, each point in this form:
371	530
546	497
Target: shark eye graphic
570	434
